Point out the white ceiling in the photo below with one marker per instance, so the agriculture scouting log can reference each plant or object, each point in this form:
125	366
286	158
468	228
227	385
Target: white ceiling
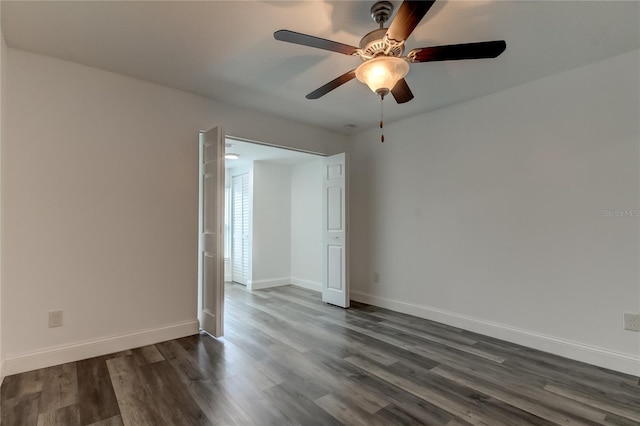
250	152
225	49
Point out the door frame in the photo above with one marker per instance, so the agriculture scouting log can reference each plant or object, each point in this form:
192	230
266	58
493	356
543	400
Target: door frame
220	290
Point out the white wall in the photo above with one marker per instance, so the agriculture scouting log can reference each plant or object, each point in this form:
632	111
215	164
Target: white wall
271	239
306	224
99	190
490	214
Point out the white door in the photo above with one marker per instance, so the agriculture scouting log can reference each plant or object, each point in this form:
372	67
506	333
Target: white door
335	282
211	247
240	224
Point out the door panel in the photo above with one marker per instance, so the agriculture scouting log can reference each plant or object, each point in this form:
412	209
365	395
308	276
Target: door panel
335	286
211	259
210	203
334	212
334	267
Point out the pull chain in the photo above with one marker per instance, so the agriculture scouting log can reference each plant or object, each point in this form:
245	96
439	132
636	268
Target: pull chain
381	119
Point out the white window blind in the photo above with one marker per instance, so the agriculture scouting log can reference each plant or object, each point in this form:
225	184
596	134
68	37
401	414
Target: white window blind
240	225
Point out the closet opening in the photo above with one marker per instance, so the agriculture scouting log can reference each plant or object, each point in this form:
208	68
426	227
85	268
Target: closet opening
273	216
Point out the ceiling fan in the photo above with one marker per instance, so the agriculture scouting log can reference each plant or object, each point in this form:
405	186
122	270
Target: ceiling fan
384	68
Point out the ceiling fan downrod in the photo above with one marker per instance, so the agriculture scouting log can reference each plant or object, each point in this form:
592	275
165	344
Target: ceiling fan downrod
381	12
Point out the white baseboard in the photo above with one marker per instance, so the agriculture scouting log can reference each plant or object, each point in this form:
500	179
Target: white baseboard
277	282
92	348
272	282
308	284
624	363
1	372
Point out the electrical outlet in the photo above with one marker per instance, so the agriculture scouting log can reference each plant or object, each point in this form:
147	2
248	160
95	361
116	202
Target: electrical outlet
376	277
631	321
55	319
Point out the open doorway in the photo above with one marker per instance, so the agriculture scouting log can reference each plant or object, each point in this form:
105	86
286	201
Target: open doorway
273	216
334	259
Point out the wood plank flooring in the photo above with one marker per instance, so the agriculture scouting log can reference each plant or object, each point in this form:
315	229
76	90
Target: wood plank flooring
287	358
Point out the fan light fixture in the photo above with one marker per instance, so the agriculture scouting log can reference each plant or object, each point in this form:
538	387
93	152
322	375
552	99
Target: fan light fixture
382	73
231	156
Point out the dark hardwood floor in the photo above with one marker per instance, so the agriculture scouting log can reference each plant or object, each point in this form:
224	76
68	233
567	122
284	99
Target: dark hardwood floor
287	358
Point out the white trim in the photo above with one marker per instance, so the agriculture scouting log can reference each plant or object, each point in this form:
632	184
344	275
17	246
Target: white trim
278	282
625	363
272	282
2	370
92	348
308	284
230	138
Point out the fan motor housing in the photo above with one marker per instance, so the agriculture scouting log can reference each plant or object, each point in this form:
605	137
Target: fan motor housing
373	44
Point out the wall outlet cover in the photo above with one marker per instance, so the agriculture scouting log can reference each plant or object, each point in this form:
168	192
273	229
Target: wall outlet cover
631	321
55	319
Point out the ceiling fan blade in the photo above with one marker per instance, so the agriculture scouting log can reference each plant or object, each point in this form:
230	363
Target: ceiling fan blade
311	41
401	92
333	84
454	52
407	19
